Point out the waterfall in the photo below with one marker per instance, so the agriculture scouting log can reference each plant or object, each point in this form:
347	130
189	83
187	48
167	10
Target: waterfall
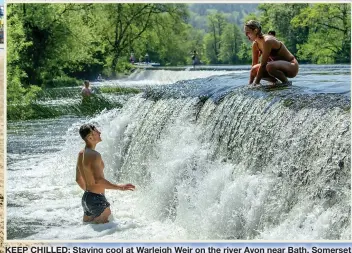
242	167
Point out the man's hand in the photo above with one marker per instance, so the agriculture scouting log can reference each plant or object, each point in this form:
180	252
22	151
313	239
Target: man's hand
127	187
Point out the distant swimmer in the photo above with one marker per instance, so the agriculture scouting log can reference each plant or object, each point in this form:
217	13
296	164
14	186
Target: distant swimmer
194	58
86	90
90	177
277	62
99	78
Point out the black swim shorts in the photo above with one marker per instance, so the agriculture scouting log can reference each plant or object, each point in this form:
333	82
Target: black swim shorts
94	204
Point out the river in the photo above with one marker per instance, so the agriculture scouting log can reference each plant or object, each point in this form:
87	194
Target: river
210	158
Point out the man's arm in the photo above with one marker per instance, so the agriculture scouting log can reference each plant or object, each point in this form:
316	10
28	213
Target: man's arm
264	61
79	179
97	169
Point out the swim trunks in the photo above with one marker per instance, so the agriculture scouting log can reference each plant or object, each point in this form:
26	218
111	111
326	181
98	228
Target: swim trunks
94	204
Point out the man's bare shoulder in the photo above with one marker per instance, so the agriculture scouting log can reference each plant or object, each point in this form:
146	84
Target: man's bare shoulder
90	153
80	154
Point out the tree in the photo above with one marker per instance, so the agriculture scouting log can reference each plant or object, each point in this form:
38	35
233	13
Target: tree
122	25
245	53
329	39
231	41
216	25
44	39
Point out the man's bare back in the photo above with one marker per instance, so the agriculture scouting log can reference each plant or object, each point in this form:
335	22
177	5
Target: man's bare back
90	177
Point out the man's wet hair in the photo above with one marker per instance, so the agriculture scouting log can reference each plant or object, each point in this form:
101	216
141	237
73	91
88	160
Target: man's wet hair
86	129
86	82
273	33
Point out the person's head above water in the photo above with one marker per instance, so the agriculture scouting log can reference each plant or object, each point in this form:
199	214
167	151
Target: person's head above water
89	133
253	29
86	83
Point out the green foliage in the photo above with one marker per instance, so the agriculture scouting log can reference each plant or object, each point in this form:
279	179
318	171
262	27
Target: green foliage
231	41
234	13
20	101
30	111
329	39
210	53
245	53
119	90
54	45
124	67
216	25
62	81
15	89
250	16
155	29
30	94
87	106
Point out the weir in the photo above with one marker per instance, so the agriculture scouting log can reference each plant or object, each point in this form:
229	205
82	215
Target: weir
211	160
247	166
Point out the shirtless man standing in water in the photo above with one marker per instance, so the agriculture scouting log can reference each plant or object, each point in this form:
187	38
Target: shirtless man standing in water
90	177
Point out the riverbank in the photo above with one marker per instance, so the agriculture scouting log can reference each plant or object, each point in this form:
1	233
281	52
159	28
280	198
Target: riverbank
55	102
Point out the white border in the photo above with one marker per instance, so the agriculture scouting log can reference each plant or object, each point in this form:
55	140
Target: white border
156	242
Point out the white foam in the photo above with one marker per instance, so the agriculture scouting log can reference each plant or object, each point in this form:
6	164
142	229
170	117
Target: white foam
187	187
163	77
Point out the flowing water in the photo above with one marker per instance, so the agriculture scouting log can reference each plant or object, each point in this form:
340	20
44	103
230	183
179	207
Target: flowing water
210	158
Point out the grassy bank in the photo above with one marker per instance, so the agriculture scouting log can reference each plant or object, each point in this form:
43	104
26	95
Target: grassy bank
85	107
55	102
119	90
